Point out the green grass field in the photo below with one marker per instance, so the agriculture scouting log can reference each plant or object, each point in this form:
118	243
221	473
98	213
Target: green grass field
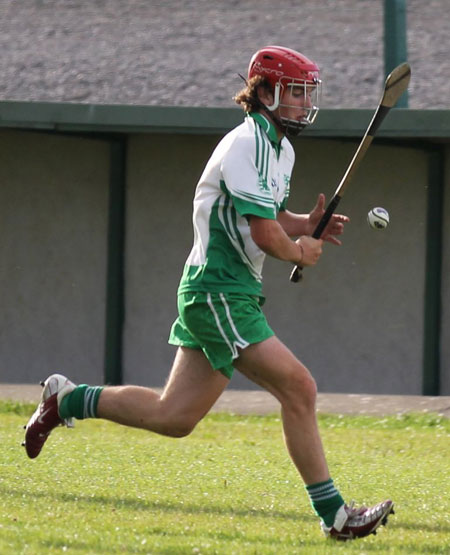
228	488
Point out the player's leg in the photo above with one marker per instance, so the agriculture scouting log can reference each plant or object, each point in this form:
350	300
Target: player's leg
273	366
191	390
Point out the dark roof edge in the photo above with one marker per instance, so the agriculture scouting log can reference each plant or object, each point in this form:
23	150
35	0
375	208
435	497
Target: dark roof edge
71	117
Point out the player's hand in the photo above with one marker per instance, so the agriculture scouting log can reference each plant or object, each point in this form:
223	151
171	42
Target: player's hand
335	225
311	248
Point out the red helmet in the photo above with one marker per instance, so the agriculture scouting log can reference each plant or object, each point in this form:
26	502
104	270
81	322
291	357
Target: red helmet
277	62
283	67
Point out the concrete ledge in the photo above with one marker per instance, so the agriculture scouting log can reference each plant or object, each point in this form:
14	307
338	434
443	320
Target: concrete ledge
116	118
260	402
256	402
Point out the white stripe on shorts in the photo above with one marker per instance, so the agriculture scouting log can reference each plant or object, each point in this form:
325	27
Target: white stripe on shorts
240	342
232	348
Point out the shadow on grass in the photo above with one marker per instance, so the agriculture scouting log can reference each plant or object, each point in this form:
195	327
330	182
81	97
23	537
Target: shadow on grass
378	545
142	505
168	507
186	543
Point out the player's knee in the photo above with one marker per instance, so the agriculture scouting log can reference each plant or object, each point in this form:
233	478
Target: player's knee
179	427
301	392
311	392
179	431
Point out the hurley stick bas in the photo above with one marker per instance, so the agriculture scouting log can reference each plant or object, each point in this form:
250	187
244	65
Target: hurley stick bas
396	84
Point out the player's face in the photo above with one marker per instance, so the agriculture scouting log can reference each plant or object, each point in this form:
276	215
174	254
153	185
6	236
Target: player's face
296	102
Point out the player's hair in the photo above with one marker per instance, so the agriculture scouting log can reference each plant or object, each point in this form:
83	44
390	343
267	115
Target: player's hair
248	96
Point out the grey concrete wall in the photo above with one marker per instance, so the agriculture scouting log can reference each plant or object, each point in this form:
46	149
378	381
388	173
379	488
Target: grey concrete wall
163	171
356	321
53	216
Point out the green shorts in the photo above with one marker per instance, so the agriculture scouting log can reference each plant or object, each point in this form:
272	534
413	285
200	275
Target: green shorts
220	324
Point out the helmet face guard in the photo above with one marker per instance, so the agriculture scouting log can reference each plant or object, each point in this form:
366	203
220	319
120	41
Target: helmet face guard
285	69
309	91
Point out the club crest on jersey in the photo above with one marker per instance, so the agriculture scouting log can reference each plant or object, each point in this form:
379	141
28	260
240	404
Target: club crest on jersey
262	182
275	185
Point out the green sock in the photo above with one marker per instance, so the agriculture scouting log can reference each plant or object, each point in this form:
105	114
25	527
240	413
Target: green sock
80	403
326	500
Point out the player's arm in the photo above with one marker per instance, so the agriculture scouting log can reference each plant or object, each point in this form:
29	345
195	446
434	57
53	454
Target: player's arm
304	224
294	225
273	240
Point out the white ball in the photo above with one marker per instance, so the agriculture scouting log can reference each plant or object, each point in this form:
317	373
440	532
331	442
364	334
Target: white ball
378	218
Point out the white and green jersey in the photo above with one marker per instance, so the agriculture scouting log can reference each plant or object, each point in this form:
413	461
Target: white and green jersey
248	174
